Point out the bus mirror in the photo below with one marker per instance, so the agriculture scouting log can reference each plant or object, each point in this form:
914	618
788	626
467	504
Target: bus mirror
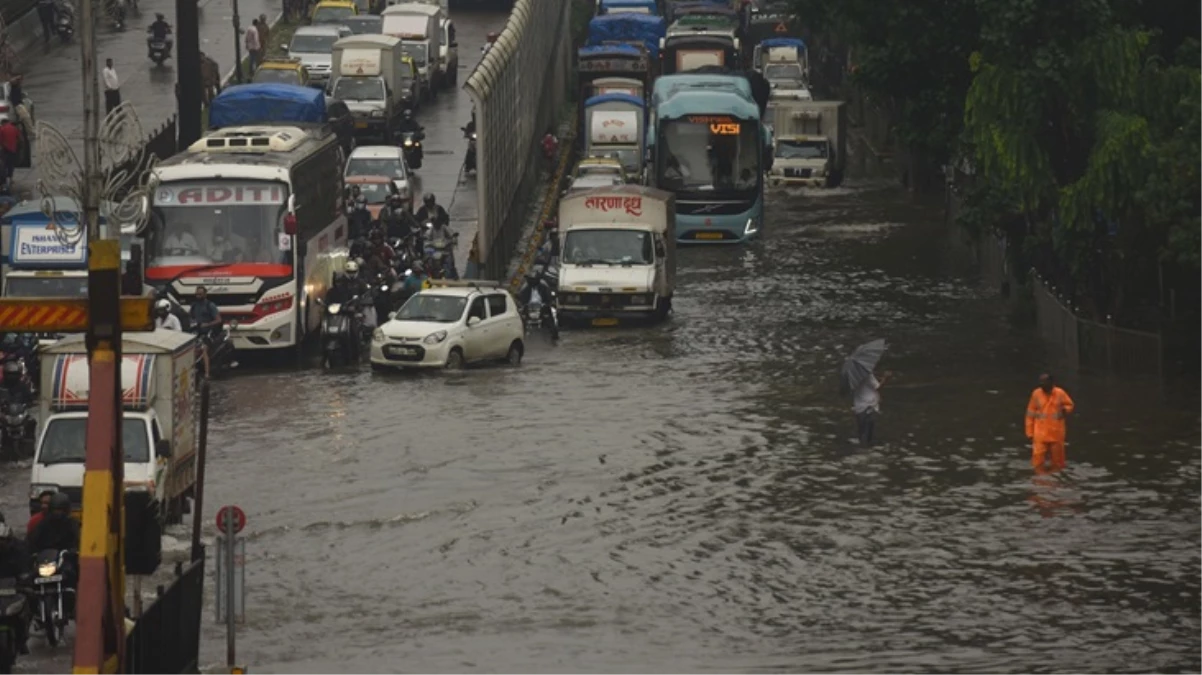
290	224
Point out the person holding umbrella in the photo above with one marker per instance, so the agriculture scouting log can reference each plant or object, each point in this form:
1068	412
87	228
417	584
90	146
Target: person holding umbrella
858	379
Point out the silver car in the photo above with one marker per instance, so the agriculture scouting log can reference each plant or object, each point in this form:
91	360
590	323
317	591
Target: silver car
382	160
314	46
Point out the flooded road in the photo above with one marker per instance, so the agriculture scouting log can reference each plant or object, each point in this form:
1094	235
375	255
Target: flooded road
688	497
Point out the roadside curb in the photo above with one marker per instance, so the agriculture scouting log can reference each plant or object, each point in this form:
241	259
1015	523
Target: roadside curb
550	202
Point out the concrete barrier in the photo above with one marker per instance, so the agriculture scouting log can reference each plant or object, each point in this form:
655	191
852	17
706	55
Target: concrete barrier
518	89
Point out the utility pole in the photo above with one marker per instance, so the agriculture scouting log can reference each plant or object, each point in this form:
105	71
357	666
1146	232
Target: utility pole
237	44
191	84
100	606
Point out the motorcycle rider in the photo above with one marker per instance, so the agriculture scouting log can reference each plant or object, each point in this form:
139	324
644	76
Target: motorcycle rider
431	211
409	123
163	318
15	389
58	531
537	282
206	321
379	254
159	30
398	222
14	564
357	213
440	232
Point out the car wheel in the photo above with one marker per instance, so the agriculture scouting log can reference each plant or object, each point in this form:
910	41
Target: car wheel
455	359
514	357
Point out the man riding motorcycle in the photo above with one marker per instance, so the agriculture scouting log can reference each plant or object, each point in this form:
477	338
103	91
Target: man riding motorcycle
398	222
409	123
159	30
14	564
379	254
441	238
206	321
58	531
163	318
537	282
432	212
357	215
16	390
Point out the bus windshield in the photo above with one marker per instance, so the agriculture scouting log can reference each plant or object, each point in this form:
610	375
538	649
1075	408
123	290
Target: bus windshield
710	156
218	222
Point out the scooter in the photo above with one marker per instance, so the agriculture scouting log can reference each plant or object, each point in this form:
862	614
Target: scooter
411	145
117	13
158	50
19	427
221	350
539	299
340	333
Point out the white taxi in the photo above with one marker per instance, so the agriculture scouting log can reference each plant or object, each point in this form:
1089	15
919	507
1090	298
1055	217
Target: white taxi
449	325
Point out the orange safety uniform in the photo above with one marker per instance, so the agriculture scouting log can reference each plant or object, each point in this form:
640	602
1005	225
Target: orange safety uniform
1045	425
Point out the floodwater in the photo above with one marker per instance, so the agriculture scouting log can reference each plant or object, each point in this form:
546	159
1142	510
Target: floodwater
688	497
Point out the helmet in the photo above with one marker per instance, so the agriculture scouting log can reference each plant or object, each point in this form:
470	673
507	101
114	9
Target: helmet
408	114
163	305
352	268
429	200
59	501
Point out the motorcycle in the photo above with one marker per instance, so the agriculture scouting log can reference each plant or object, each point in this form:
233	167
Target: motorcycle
158	50
13	619
411	144
340	333
469	162
220	348
54	596
539	297
19	426
440	254
64	21
117	13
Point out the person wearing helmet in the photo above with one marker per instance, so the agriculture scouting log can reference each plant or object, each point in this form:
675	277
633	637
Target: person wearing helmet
432	212
342	290
16	389
379	254
409	124
163	318
58	531
14	564
160	29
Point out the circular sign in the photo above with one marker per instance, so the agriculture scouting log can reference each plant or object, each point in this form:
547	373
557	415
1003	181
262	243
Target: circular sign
239	517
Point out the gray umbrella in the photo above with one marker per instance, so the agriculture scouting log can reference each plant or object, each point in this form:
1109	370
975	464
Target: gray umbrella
859	366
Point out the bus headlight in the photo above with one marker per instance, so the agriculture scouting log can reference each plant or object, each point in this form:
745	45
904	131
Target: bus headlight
750	228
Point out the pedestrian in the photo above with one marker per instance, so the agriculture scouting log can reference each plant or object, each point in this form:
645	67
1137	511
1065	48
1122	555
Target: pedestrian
264	37
866	404
112	87
252	46
551	149
10	144
1046	411
46	11
16	91
210	77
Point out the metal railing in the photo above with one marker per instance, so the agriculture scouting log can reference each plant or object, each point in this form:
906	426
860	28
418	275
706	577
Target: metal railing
518	89
166	638
1092	344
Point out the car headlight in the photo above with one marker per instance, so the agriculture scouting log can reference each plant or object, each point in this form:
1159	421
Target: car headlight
47	569
750	228
435	338
377	335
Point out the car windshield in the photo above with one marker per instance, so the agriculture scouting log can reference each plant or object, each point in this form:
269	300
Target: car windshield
45	287
783	71
375	193
786	149
312	44
359	89
217	222
372	166
332	14
608	247
719	157
276	75
63	442
429	307
415	51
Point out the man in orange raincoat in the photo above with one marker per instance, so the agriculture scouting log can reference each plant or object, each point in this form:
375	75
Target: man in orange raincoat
1046	410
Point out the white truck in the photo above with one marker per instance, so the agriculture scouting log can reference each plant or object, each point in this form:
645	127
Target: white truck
160	427
618	257
810	142
419	26
616	129
371	78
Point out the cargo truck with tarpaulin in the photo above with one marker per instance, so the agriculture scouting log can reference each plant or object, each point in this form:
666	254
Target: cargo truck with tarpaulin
631	29
615	125
697	40
613	69
159	429
709	147
648	7
810	142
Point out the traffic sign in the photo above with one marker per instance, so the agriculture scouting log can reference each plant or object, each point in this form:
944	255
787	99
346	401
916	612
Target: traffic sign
68	315
239	519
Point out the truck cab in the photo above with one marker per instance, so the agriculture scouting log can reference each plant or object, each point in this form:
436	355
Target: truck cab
618	258
159	427
808	143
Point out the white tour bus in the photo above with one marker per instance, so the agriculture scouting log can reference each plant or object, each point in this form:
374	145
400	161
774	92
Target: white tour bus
251	213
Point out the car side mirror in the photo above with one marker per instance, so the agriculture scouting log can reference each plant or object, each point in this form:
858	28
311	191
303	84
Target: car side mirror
391	316
163	448
472	321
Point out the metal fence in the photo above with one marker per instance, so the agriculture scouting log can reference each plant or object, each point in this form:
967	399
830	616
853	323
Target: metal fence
166	638
1091	344
518	88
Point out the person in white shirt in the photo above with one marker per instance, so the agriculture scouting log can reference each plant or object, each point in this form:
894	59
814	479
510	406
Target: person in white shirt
112	87
181	242
866	404
164	319
253	45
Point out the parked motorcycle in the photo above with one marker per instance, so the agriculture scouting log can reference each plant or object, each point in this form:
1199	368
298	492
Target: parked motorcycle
159	50
14	607
341	331
411	145
54	593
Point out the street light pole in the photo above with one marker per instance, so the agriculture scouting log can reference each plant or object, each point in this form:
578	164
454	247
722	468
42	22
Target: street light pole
237	44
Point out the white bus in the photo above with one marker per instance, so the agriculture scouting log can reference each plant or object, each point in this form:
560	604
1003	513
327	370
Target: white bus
251	213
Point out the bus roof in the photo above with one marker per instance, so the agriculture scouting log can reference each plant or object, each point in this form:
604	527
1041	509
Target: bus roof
253	152
668	86
679	95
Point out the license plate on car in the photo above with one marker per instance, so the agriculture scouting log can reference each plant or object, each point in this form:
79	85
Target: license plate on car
400	349
48	580
709	235
360	125
607	321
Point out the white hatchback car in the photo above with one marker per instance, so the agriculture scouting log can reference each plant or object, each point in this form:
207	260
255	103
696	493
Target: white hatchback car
449	325
381	160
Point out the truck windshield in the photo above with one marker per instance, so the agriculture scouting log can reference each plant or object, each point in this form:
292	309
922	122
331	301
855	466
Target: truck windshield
608	247
712	157
415	51
359	89
789	149
783	71
217	222
64	443
45	287
429	307
312	44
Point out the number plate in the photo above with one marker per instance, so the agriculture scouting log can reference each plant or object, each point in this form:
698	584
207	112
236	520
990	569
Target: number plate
49	580
360	125
401	350
608	321
709	235
7	591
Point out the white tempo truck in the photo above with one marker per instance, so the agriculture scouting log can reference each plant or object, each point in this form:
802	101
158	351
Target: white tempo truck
809	142
618	257
419	26
369	74
159	432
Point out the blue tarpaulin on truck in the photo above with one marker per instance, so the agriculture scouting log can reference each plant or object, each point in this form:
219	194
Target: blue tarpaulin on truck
267	104
628	28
